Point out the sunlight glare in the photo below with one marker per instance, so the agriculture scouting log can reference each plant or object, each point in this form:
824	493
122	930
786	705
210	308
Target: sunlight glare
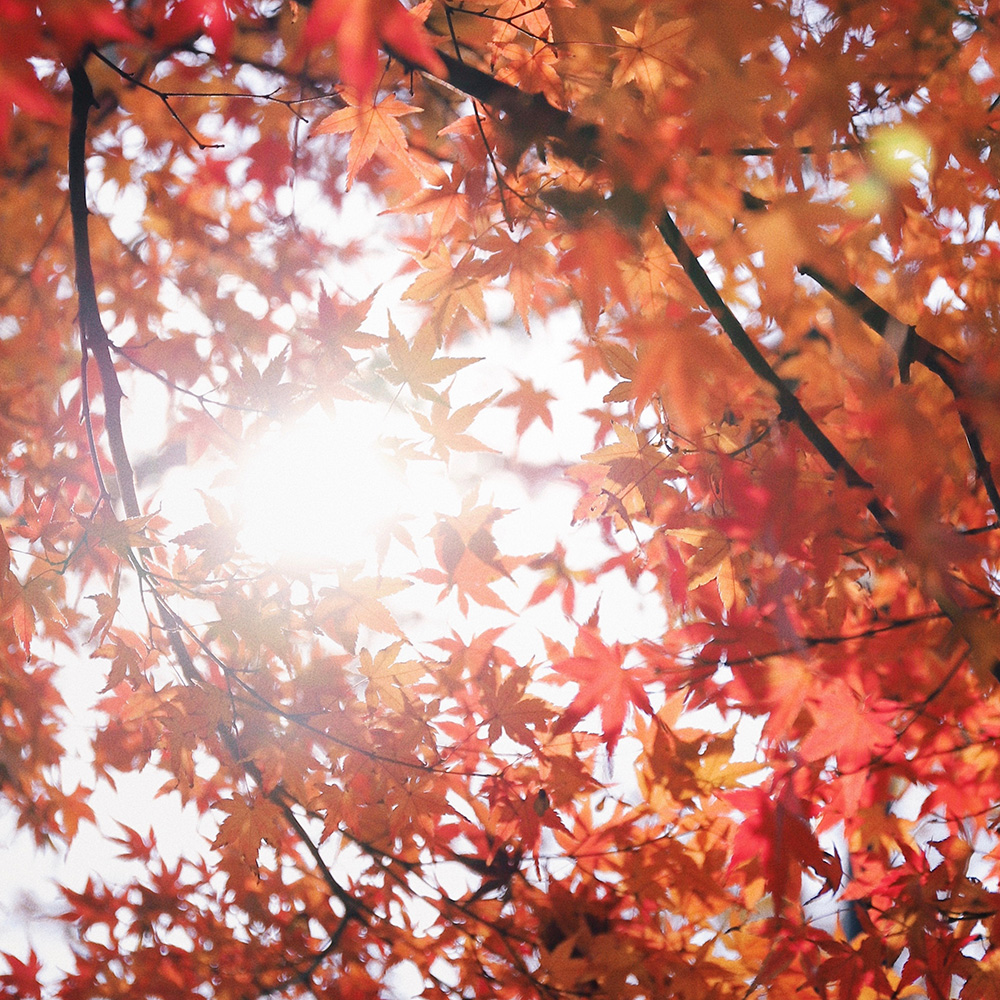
319	491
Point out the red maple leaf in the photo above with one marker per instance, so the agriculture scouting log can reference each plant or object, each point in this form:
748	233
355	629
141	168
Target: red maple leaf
605	683
777	836
22	980
359	26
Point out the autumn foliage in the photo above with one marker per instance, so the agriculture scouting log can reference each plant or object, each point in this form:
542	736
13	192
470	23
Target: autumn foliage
766	236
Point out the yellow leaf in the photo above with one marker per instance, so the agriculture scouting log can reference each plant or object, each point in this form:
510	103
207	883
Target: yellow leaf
414	363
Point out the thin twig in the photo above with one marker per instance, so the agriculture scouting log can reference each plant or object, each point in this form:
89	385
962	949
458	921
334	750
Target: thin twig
165	95
509	21
812	641
162	96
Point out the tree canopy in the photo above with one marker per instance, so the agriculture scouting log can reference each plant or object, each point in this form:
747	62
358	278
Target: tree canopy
445	767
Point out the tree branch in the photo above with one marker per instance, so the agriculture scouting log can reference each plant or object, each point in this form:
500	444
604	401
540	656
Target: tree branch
93	336
532	119
537	119
911	348
790	407
531	116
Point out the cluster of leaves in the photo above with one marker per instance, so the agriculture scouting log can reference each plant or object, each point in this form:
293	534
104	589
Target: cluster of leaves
779	224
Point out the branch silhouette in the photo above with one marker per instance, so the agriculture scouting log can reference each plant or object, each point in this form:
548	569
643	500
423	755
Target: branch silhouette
910	349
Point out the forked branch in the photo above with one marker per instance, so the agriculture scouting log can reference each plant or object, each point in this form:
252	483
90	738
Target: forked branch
93	337
910	349
537	119
789	406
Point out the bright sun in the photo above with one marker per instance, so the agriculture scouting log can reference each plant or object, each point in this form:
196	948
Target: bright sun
320	490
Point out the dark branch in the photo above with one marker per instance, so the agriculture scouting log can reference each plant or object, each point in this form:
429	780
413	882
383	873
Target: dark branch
94	338
911	349
531	115
536	119
790	407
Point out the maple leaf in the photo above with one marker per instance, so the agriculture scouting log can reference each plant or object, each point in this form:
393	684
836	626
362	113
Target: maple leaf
107	608
983	638
122	536
450	286
557	576
357	601
594	264
604	683
528	265
248	824
468	555
713	559
776	836
648	52
531	404
626	476
850	726
20	88
128	655
373	129
340	323
415	365
23	978
358	26
383	673
135	846
984	980
447	426
516	714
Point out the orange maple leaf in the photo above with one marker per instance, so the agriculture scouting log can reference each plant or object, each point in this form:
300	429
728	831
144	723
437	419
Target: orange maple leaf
107	608
853	725
372	127
468	556
247	825
448	426
627	476
531	404
383	673
646	54
449	285
357	602
528	264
